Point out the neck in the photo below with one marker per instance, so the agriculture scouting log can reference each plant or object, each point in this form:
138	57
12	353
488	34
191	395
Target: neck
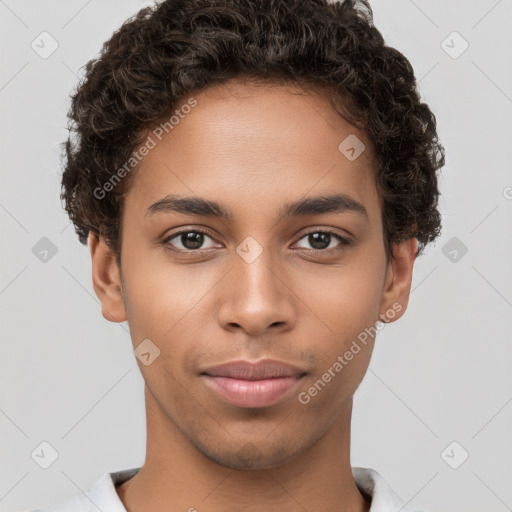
177	476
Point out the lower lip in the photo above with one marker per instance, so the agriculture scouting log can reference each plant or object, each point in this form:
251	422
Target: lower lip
253	393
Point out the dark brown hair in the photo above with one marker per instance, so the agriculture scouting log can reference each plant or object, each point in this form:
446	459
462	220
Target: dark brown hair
157	58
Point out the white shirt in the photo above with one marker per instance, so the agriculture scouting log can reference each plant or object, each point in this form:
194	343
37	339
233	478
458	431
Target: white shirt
103	496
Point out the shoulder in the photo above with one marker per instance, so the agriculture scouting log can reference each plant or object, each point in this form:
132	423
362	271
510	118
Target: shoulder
101	496
383	498
74	504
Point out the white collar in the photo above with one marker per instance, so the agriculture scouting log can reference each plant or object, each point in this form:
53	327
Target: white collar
103	496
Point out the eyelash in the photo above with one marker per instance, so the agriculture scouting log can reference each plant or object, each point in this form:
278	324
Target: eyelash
344	242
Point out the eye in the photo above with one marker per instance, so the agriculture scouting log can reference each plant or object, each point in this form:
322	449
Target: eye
322	240
193	240
190	240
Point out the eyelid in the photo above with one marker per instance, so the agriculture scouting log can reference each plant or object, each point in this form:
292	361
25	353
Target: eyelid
344	241
184	230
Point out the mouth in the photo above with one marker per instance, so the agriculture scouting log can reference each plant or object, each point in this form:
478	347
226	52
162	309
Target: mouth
247	384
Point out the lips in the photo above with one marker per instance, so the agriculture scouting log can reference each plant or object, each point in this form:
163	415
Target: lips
266	369
247	384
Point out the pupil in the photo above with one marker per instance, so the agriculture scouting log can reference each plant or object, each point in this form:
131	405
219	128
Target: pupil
192	240
315	237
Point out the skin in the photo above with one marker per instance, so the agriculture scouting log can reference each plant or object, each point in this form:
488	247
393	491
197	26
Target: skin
251	148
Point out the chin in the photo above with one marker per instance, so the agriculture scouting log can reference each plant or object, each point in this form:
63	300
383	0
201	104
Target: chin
250	457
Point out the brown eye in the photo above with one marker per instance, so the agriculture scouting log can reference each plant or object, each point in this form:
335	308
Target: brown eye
191	240
322	240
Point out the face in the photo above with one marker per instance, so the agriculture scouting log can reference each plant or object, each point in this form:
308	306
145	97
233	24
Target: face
266	281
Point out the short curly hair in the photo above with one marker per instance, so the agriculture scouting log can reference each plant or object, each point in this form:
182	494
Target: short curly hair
166	51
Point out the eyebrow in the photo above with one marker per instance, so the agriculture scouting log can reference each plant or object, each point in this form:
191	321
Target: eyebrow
337	203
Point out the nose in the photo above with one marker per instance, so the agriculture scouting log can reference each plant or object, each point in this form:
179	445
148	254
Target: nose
256	297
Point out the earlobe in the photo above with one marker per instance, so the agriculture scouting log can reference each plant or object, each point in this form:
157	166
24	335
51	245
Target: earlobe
397	286
106	279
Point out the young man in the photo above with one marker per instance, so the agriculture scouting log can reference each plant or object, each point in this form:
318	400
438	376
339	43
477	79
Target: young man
255	180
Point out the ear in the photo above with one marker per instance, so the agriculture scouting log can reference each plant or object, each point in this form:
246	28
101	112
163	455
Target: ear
106	279
397	285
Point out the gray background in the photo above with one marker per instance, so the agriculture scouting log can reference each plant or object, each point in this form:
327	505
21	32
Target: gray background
438	375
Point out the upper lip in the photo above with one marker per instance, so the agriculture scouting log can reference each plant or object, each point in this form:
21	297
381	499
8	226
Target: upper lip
246	370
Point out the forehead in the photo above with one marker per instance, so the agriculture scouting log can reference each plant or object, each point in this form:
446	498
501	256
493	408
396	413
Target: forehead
246	144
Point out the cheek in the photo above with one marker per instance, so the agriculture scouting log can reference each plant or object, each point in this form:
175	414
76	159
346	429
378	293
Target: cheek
344	350
166	304
161	296
345	305
345	299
